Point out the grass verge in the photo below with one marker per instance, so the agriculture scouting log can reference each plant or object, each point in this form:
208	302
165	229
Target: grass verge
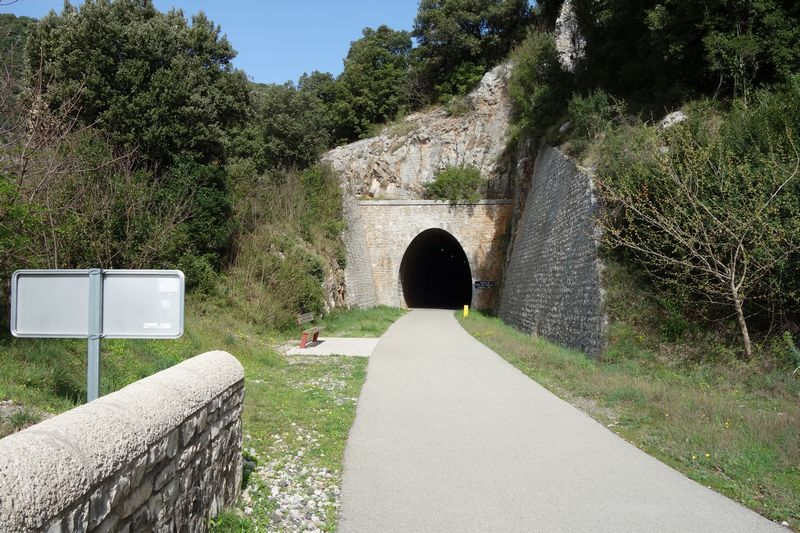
297	410
719	431
371	322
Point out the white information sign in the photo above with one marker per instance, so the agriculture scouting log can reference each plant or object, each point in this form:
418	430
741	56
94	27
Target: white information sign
136	304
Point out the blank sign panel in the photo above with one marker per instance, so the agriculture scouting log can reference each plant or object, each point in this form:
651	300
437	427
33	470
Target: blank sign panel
137	304
50	304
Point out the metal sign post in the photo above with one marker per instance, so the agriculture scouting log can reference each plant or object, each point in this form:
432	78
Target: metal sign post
96	303
95	331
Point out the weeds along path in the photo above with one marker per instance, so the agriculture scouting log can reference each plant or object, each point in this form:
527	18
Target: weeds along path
450	437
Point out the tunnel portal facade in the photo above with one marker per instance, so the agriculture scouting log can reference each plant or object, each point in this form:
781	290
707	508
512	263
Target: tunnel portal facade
426	253
435	272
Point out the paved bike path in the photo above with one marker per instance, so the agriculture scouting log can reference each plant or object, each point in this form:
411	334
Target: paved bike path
448	437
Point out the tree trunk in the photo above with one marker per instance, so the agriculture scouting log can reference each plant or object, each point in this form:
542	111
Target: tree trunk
737	303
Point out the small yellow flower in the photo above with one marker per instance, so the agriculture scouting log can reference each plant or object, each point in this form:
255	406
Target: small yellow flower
708	455
694	457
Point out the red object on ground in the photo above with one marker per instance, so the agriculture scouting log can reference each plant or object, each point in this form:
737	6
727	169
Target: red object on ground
313	333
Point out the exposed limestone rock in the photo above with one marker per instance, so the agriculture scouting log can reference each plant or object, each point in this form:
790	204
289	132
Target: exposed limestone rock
396	163
570	43
676	117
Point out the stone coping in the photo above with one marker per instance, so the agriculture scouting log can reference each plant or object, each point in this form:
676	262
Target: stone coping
446	203
49	466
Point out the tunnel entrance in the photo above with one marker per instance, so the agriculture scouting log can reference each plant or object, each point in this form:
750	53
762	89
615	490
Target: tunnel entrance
435	272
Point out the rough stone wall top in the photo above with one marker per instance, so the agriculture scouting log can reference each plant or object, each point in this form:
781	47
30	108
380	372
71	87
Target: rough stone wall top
396	163
46	469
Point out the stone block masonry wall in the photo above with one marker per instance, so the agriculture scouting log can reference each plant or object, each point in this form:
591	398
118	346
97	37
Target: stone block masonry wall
162	454
480	228
552	284
358	278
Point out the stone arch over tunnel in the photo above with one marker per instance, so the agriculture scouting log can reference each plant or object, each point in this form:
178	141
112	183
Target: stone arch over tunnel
380	231
435	271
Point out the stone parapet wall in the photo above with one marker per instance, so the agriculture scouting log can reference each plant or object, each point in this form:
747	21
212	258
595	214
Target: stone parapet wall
552	284
162	454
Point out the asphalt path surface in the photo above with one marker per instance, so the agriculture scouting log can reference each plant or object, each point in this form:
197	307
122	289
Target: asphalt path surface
449	437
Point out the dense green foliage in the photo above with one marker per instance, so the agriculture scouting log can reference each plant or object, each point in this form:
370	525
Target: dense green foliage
13	36
157	156
539	86
375	78
289	128
709	206
153	81
456	184
658	52
458	40
136	106
288	247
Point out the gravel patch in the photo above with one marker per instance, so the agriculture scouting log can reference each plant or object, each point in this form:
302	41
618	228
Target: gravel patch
305	497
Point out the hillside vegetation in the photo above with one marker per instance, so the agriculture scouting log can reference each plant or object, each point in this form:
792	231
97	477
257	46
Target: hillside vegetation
129	140
707	205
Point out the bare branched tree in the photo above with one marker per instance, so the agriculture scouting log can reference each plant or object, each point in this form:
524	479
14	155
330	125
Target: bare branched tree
69	198
706	218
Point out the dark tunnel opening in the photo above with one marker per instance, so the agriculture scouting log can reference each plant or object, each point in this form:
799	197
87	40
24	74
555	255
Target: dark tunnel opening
435	272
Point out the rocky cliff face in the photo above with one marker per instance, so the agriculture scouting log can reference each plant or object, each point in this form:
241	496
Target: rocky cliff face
407	154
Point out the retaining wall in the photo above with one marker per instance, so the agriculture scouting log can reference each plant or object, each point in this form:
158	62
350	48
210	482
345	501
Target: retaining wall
162	454
552	285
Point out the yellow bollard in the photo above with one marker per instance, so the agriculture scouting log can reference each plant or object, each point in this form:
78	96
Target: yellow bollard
466	311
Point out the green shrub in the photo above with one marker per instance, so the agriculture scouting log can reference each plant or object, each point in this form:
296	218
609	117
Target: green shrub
199	272
792	351
461	81
290	243
593	115
539	87
455	184
458	106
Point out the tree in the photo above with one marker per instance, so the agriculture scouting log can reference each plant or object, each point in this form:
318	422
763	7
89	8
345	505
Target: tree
293	126
375	76
151	80
13	36
539	86
159	86
661	51
706	217
462	38
68	200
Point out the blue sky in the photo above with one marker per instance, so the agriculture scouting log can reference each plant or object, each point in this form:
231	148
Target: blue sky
277	40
